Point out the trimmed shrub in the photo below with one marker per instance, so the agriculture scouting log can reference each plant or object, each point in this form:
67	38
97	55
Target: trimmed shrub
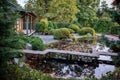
51	32
42	26
71	30
74	27
37	43
62	33
86	30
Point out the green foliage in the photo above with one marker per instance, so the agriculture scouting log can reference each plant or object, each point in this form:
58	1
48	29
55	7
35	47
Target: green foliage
87	39
42	26
62	33
64	11
74	27
104	40
51	32
87	14
62	25
71	30
25	73
76	23
116	15
115	46
115	30
104	25
7	19
86	30
112	75
37	43
37	27
51	25
8	39
90	78
117	60
59	11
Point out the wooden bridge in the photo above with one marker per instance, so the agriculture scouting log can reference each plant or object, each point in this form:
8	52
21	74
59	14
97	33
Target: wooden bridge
94	54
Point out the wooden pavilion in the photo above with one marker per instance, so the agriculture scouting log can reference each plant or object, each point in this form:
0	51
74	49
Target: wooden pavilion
115	2
26	23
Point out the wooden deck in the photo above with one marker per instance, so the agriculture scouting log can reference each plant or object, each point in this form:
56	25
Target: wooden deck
29	32
95	54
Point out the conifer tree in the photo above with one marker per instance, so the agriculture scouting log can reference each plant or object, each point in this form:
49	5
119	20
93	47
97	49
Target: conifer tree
7	20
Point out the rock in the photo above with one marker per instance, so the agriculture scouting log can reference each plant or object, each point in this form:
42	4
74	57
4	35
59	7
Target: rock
28	46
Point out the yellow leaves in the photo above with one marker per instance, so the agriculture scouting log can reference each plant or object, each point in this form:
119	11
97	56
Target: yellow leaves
65	10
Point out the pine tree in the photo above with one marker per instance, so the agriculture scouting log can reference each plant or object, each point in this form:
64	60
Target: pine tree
7	20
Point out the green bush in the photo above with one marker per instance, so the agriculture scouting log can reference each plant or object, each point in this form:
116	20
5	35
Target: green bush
37	43
37	27
42	26
17	40
115	46
51	25
71	30
62	33
51	32
114	30
62	25
74	27
15	72
86	30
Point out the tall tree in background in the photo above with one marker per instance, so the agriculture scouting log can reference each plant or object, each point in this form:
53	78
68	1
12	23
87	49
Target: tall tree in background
87	15
116	11
65	10
105	23
55	10
40	7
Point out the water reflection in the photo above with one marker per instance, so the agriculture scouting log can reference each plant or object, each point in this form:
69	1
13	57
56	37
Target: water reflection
71	69
103	69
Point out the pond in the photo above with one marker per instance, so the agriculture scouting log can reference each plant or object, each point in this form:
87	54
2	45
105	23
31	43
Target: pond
73	69
64	68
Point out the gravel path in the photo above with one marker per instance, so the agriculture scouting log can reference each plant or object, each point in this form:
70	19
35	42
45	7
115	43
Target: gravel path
110	37
49	38
46	38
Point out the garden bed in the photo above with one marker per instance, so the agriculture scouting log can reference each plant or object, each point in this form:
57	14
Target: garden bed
70	46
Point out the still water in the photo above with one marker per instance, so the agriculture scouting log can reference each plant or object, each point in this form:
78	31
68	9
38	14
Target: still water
77	69
74	69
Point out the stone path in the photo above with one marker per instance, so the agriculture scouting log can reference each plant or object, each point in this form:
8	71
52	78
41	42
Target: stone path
110	37
49	38
46	38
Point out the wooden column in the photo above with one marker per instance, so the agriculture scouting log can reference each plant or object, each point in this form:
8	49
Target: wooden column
30	23
27	21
